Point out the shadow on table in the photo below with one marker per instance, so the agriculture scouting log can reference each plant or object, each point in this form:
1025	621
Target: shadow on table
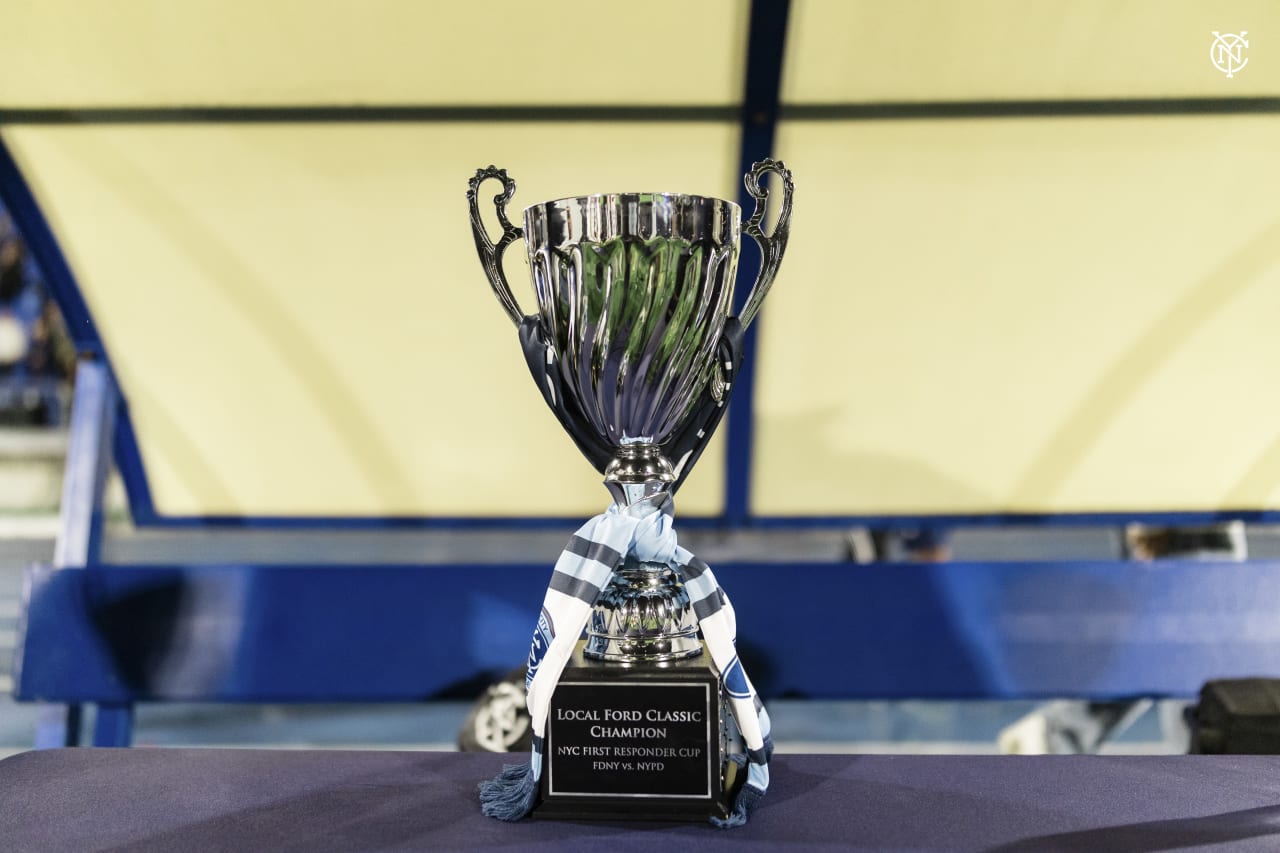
1158	834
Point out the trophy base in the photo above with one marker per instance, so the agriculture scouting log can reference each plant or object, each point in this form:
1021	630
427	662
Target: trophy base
637	742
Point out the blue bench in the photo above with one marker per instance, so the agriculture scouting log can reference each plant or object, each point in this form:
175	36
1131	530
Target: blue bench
116	635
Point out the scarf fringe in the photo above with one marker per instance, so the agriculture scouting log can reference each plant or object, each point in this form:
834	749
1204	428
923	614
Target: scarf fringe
511	794
745	803
749	796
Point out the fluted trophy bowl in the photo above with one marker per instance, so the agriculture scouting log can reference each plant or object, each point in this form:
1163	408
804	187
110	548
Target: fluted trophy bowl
634	291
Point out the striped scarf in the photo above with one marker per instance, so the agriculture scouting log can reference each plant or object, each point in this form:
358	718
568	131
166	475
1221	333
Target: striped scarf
643	531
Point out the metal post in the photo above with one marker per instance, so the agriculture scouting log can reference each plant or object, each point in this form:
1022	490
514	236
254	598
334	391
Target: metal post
93	415
766	43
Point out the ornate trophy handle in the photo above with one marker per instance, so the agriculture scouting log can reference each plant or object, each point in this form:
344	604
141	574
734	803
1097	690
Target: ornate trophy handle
490	252
772	245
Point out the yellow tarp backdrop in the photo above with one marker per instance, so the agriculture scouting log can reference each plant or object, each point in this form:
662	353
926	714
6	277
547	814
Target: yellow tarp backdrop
978	315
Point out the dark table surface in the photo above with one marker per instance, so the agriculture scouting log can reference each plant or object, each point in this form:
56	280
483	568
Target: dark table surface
252	800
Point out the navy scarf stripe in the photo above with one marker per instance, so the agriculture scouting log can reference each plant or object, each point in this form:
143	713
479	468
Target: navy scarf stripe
704	607
597	552
579	588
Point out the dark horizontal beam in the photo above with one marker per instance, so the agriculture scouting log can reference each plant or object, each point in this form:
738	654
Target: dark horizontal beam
1103	107
510	523
353	113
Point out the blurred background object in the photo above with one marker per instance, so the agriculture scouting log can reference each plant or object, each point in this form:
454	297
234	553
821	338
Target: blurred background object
37	358
1067	727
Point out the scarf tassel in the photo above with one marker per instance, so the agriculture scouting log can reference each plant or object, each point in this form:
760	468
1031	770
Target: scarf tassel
511	794
745	803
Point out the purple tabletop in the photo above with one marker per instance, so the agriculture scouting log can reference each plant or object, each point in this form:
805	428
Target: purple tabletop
250	800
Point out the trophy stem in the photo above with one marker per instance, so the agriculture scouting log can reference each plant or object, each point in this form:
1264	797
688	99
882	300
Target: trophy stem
638	472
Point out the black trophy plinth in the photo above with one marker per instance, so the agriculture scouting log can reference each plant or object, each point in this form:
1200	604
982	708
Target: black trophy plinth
636	742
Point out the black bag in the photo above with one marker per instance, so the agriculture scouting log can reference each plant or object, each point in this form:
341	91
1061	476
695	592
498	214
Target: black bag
1239	716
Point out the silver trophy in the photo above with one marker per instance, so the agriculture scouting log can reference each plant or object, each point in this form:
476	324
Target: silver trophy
634	292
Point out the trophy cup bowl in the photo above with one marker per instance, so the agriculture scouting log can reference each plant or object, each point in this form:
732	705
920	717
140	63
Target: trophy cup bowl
634	290
633	293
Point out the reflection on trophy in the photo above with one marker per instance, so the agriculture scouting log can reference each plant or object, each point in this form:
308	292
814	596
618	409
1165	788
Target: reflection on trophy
635	351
